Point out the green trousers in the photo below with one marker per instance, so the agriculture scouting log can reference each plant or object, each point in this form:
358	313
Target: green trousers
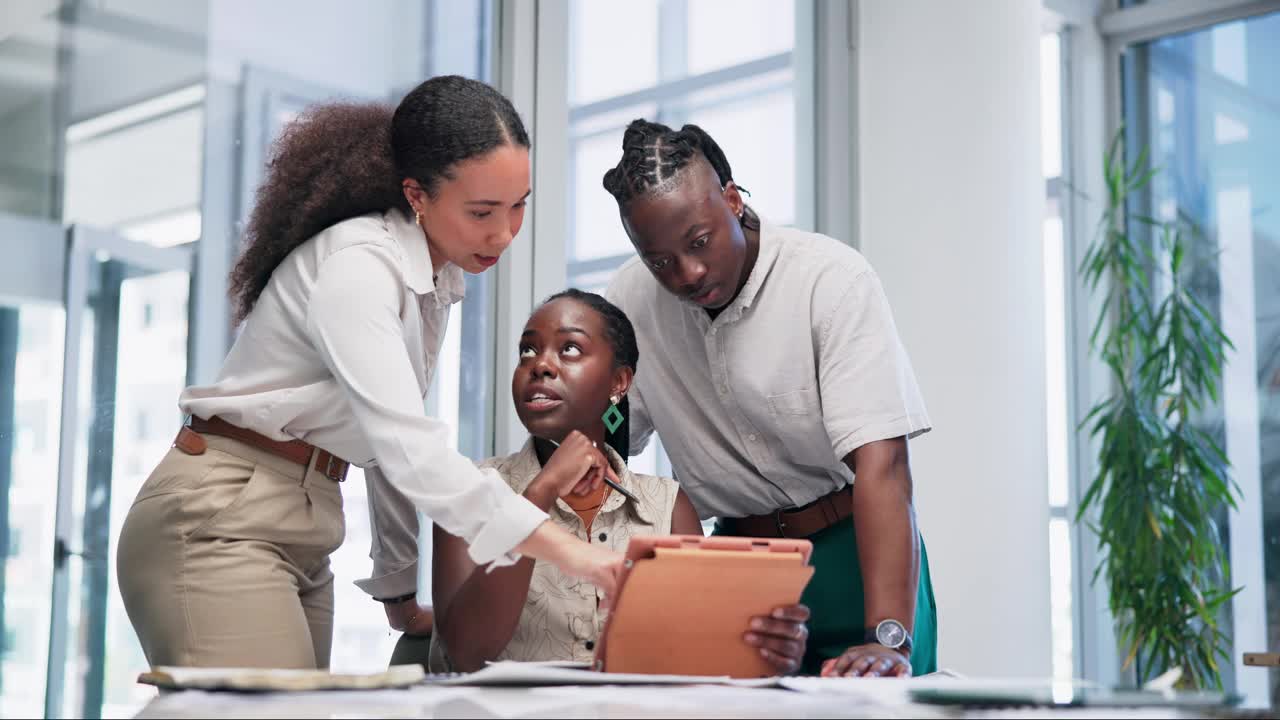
834	598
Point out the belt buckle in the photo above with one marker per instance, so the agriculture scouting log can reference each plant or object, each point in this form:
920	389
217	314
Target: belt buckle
332	472
780	523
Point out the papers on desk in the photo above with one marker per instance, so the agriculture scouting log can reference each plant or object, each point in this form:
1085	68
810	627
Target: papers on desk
898	691
510	674
546	692
538	674
863	692
498	674
508	702
277	679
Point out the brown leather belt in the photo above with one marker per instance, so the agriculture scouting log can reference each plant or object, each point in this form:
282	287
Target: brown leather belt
295	451
796	522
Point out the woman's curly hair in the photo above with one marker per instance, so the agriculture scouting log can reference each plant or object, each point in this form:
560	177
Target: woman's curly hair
341	160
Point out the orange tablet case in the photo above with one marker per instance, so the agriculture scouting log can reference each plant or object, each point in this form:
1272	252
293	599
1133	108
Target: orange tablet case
684	601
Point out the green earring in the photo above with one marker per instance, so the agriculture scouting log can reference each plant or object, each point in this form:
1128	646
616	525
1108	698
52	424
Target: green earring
612	417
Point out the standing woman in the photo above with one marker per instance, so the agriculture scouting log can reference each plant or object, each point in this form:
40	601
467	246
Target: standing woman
355	250
781	392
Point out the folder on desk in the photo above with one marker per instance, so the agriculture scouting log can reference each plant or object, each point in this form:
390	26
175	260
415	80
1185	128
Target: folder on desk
684	603
278	679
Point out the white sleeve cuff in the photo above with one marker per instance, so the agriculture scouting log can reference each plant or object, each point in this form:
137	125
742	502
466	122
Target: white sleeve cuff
392	584
511	523
911	426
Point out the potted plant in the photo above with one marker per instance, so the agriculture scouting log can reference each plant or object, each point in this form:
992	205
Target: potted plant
1161	478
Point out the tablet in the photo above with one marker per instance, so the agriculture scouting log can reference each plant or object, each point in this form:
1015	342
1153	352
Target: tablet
684	601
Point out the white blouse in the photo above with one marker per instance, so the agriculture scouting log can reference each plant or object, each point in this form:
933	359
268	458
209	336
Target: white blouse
561	618
339	352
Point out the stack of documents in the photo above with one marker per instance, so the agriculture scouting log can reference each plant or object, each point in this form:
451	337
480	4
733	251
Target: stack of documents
274	679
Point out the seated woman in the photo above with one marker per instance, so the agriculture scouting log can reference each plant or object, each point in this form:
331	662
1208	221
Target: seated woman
577	358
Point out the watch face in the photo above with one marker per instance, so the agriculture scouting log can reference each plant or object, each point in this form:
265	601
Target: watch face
890	633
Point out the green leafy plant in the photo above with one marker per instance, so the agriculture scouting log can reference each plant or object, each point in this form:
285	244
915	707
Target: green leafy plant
1161	479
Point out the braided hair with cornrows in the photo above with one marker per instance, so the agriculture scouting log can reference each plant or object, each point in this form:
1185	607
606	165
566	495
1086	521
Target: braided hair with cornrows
653	156
626	353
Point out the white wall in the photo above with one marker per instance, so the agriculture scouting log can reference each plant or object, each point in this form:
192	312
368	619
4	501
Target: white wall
138	172
951	201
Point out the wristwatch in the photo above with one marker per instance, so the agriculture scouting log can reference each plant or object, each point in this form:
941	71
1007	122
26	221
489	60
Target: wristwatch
891	634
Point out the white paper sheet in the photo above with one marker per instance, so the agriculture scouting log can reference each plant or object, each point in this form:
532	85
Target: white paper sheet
896	691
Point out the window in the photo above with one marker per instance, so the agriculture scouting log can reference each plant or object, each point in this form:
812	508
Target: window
36	397
728	66
1206	103
1056	271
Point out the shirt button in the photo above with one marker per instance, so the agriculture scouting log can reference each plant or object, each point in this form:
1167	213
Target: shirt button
751	438
603	537
724	390
591	645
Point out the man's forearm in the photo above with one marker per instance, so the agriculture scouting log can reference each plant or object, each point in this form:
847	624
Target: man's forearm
888	541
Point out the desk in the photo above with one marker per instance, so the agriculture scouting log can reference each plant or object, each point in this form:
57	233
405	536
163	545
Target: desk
426	701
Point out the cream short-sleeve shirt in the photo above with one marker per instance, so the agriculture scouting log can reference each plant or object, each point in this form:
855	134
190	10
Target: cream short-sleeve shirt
561	619
758	408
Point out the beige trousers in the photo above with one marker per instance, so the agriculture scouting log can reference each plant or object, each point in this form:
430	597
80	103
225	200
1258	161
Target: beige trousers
224	560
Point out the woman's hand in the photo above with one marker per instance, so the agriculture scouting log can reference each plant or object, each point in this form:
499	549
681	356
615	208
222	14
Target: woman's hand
576	467
594	563
871	660
781	637
597	565
409	617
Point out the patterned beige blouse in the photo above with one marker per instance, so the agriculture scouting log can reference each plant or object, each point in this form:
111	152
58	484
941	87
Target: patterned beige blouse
561	619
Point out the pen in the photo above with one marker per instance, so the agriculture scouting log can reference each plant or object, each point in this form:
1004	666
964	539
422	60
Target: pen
607	481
